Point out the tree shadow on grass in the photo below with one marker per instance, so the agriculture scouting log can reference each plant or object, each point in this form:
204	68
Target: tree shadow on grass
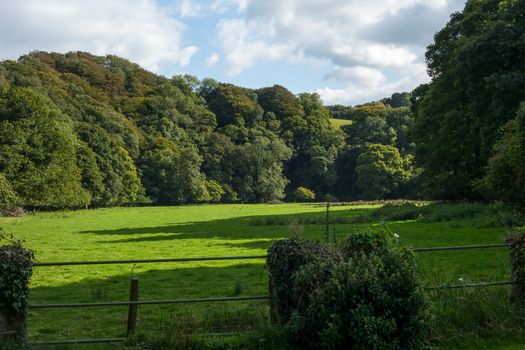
242	228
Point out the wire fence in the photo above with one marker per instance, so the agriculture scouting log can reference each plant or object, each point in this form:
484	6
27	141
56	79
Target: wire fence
134	301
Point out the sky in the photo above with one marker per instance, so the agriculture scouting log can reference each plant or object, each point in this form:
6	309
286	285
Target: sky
348	51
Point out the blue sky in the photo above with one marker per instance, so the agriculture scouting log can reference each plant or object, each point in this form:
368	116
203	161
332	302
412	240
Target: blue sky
349	51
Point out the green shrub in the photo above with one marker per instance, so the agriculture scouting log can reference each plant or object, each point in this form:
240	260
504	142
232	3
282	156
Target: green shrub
16	268
398	212
365	296
215	190
285	257
229	195
303	194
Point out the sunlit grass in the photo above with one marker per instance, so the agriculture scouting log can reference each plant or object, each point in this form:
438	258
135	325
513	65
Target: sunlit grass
204	230
340	122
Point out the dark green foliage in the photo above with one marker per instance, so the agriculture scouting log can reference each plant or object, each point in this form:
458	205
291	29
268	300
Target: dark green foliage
284	260
255	169
16	268
367	296
504	179
378	132
478	76
381	171
366	243
370	126
395	212
341	112
280	102
316	145
113	168
234	105
37	151
398	100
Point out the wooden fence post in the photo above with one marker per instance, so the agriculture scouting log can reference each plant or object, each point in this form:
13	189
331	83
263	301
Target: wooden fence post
517	261
133	308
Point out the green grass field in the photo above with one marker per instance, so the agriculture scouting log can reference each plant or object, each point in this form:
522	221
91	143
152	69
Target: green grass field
207	230
340	122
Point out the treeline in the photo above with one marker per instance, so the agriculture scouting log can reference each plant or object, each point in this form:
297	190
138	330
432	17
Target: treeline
80	130
470	119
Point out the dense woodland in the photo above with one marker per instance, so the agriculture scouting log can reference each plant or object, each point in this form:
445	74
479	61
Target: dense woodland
79	130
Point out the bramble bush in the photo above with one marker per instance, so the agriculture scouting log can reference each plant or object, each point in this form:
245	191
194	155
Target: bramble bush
365	294
303	194
16	268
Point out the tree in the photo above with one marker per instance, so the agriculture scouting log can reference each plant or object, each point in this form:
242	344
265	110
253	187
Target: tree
234	105
256	169
121	183
37	151
398	100
477	75
505	173
8	196
172	174
380	171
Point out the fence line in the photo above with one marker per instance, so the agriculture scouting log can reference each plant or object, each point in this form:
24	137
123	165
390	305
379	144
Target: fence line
110	262
245	257
134	302
148	302
472	285
79	341
464	247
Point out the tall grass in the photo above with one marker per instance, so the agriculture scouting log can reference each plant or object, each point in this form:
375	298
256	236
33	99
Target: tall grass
478	215
474	314
189	333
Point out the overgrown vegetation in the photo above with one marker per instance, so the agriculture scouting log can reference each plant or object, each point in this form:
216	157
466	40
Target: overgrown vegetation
468	127
366	295
16	268
467	214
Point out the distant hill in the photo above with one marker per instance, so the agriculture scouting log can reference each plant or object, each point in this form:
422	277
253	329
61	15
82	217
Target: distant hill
82	130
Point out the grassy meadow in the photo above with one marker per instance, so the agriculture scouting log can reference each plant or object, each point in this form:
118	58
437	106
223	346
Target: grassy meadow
229	230
339	122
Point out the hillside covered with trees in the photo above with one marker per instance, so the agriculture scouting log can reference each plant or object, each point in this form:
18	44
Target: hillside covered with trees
470	119
80	130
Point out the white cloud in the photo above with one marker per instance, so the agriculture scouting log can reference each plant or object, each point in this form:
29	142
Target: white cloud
367	85
361	39
140	30
359	75
242	47
189	8
212	59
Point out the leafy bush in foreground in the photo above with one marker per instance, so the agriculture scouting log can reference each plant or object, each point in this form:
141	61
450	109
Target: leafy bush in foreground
366	295
16	268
